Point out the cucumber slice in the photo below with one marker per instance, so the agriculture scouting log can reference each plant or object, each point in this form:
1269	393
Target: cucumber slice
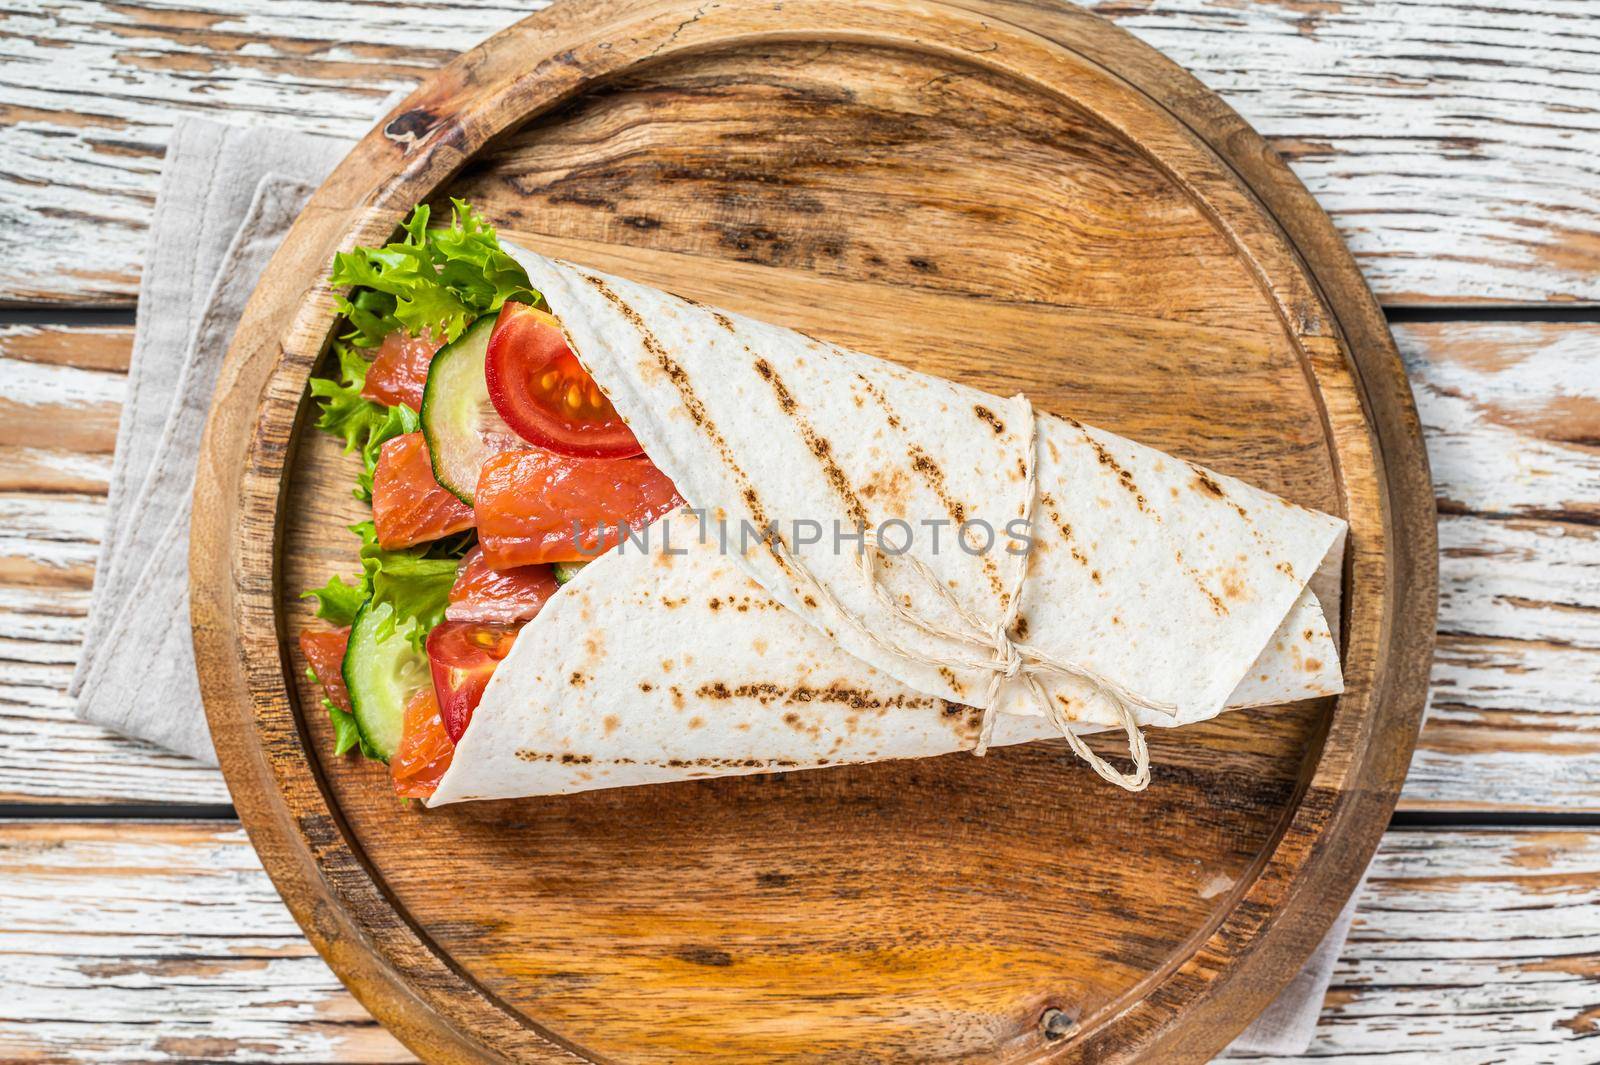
382	676
565	571
458	420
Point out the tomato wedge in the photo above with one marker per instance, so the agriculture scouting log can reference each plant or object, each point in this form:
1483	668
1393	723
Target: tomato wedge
463	657
408	505
489	596
530	502
399	370
425	750
324	651
543	392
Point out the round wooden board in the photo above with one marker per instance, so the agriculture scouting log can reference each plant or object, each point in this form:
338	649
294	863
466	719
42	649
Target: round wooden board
1015	196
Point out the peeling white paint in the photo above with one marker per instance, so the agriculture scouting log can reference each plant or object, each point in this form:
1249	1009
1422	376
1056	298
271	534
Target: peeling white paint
1469	947
1511	412
1451	144
162	942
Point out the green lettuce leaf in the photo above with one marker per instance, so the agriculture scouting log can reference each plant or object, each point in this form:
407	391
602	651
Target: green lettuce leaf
345	733
345	413
397	421
431	280
415	582
363	425
337	601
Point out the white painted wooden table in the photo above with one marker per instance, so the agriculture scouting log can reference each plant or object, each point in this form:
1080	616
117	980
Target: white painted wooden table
1457	146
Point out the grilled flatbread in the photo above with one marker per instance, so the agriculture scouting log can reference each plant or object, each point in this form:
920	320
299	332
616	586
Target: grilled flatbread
1160	577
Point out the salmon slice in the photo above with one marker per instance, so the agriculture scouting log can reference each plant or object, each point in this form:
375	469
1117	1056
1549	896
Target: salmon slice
324	651
408	505
529	503
399	371
425	750
488	596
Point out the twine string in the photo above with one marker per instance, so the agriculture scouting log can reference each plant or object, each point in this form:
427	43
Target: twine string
994	649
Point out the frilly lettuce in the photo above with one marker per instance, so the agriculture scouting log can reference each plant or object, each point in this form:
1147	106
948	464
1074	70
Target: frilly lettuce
415	582
365	426
434	281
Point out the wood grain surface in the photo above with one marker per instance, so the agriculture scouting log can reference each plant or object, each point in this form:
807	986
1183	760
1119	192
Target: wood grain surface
165	942
1446	140
792	164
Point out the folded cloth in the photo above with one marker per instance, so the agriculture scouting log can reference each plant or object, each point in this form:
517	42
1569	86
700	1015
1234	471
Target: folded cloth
227	196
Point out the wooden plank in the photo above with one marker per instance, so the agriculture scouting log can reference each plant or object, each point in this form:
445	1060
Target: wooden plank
1447	141
46	754
58	424
1469	947
1510	414
161	942
164	941
1451	142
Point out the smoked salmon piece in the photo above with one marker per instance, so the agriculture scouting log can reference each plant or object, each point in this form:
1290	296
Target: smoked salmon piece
408	505
488	596
399	371
425	750
535	506
324	651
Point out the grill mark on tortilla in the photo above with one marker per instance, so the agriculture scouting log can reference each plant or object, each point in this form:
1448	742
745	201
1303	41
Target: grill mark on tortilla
1218	607
987	415
821	449
971	723
872	390
767	693
1063	527
923	463
1204	479
565	758
525	755
691	401
1124	478
1109	461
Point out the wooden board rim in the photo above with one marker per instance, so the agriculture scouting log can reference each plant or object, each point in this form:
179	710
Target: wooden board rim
1283	910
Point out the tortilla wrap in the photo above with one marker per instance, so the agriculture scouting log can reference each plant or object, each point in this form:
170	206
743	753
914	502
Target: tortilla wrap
1183	585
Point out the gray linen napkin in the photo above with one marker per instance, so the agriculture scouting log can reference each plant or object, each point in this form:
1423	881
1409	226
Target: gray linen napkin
227	197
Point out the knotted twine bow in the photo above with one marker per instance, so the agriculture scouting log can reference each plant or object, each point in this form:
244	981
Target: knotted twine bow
996	652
